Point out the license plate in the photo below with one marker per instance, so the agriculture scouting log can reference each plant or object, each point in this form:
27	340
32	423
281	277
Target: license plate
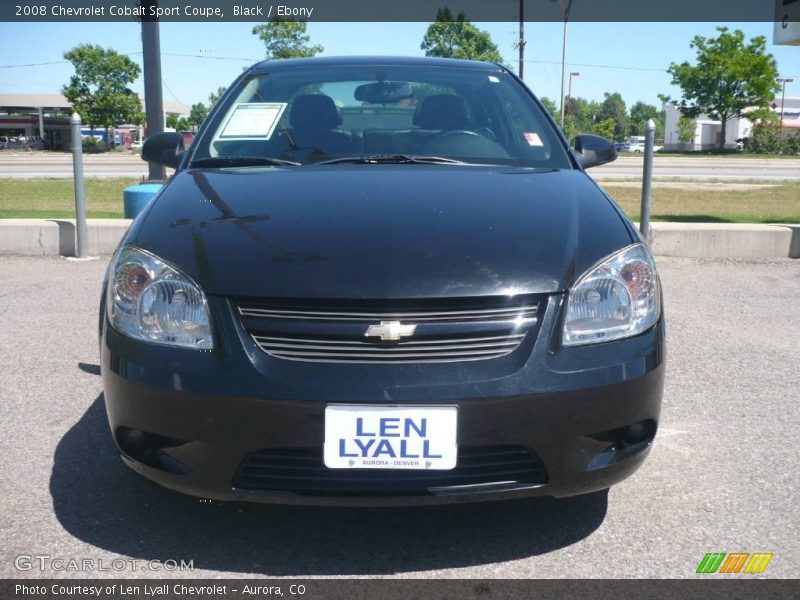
390	437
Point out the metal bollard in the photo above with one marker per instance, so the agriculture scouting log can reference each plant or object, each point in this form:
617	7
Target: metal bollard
77	171
647	179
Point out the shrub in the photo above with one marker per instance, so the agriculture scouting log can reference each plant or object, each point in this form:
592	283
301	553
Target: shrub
767	139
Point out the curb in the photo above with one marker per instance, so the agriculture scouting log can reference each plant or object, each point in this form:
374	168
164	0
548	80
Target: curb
56	237
725	240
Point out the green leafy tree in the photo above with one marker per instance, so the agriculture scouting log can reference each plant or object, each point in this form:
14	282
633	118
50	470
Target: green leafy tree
450	37
178	123
731	75
605	128
613	107
584	113
550	106
570	129
641	112
686	128
214	97
99	90
286	39
197	114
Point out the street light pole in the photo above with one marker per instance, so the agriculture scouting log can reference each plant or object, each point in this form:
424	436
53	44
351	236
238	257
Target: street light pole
784	81
569	95
566	8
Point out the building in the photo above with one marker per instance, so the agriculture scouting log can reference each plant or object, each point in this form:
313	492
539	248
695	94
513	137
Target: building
708	131
47	116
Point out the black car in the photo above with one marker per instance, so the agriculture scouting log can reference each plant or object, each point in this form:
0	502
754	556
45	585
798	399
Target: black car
381	281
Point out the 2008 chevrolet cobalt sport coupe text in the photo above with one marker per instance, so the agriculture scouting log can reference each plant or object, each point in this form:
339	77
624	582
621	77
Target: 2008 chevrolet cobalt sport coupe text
381	281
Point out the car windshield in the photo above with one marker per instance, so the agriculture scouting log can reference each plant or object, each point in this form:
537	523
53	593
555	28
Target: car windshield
379	113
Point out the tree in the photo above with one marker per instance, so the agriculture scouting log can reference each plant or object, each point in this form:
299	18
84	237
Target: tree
686	129
177	123
605	128
98	91
197	114
549	105
730	76
641	112
584	113
613	107
286	39
458	38
214	96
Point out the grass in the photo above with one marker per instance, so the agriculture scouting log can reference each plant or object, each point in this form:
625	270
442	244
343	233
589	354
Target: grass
770	204
53	198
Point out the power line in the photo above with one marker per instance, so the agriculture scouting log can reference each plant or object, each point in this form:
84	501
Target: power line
211	57
171	93
61	62
573	64
53	62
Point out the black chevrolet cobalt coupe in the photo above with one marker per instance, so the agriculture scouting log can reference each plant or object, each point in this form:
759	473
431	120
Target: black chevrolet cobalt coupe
381	281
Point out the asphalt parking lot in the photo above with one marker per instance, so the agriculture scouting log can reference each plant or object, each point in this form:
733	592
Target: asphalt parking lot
722	477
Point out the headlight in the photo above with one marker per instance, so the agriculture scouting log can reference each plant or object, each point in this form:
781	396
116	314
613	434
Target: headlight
616	299
152	301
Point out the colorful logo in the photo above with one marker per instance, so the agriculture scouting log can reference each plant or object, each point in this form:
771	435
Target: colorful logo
734	562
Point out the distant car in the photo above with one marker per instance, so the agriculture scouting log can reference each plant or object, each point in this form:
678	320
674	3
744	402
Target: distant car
4	142
638	148
414	295
622	146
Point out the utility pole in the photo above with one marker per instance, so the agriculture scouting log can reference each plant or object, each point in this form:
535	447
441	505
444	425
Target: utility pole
153	100
521	42
784	81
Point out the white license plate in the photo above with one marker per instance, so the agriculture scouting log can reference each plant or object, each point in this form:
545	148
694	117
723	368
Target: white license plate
390	437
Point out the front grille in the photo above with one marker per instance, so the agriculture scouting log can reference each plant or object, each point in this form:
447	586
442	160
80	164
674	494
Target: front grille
302	471
356	351
335	331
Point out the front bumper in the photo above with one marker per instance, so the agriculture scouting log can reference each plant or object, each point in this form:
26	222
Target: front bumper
205	412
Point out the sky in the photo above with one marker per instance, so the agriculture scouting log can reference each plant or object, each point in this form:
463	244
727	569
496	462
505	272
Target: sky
630	58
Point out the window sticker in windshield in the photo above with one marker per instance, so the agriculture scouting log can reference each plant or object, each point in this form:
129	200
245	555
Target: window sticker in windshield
253	120
533	139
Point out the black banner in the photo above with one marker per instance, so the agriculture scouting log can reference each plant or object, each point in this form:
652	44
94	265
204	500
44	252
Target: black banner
395	589
394	10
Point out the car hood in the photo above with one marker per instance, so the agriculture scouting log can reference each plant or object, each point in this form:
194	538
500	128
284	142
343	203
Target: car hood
380	231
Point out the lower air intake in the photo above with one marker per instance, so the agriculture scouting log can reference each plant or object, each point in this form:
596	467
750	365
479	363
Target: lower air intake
301	471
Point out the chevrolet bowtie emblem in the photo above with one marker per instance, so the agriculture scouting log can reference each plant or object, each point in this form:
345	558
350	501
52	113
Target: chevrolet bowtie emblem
390	331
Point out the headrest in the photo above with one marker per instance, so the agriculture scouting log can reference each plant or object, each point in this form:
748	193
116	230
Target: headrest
314	111
443	111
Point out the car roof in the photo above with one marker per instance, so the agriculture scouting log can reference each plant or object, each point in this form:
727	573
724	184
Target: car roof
408	61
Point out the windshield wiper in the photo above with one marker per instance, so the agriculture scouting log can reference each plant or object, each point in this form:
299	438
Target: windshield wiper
242	161
393	159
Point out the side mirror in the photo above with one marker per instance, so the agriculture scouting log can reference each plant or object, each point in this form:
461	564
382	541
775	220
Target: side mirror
164	149
593	150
